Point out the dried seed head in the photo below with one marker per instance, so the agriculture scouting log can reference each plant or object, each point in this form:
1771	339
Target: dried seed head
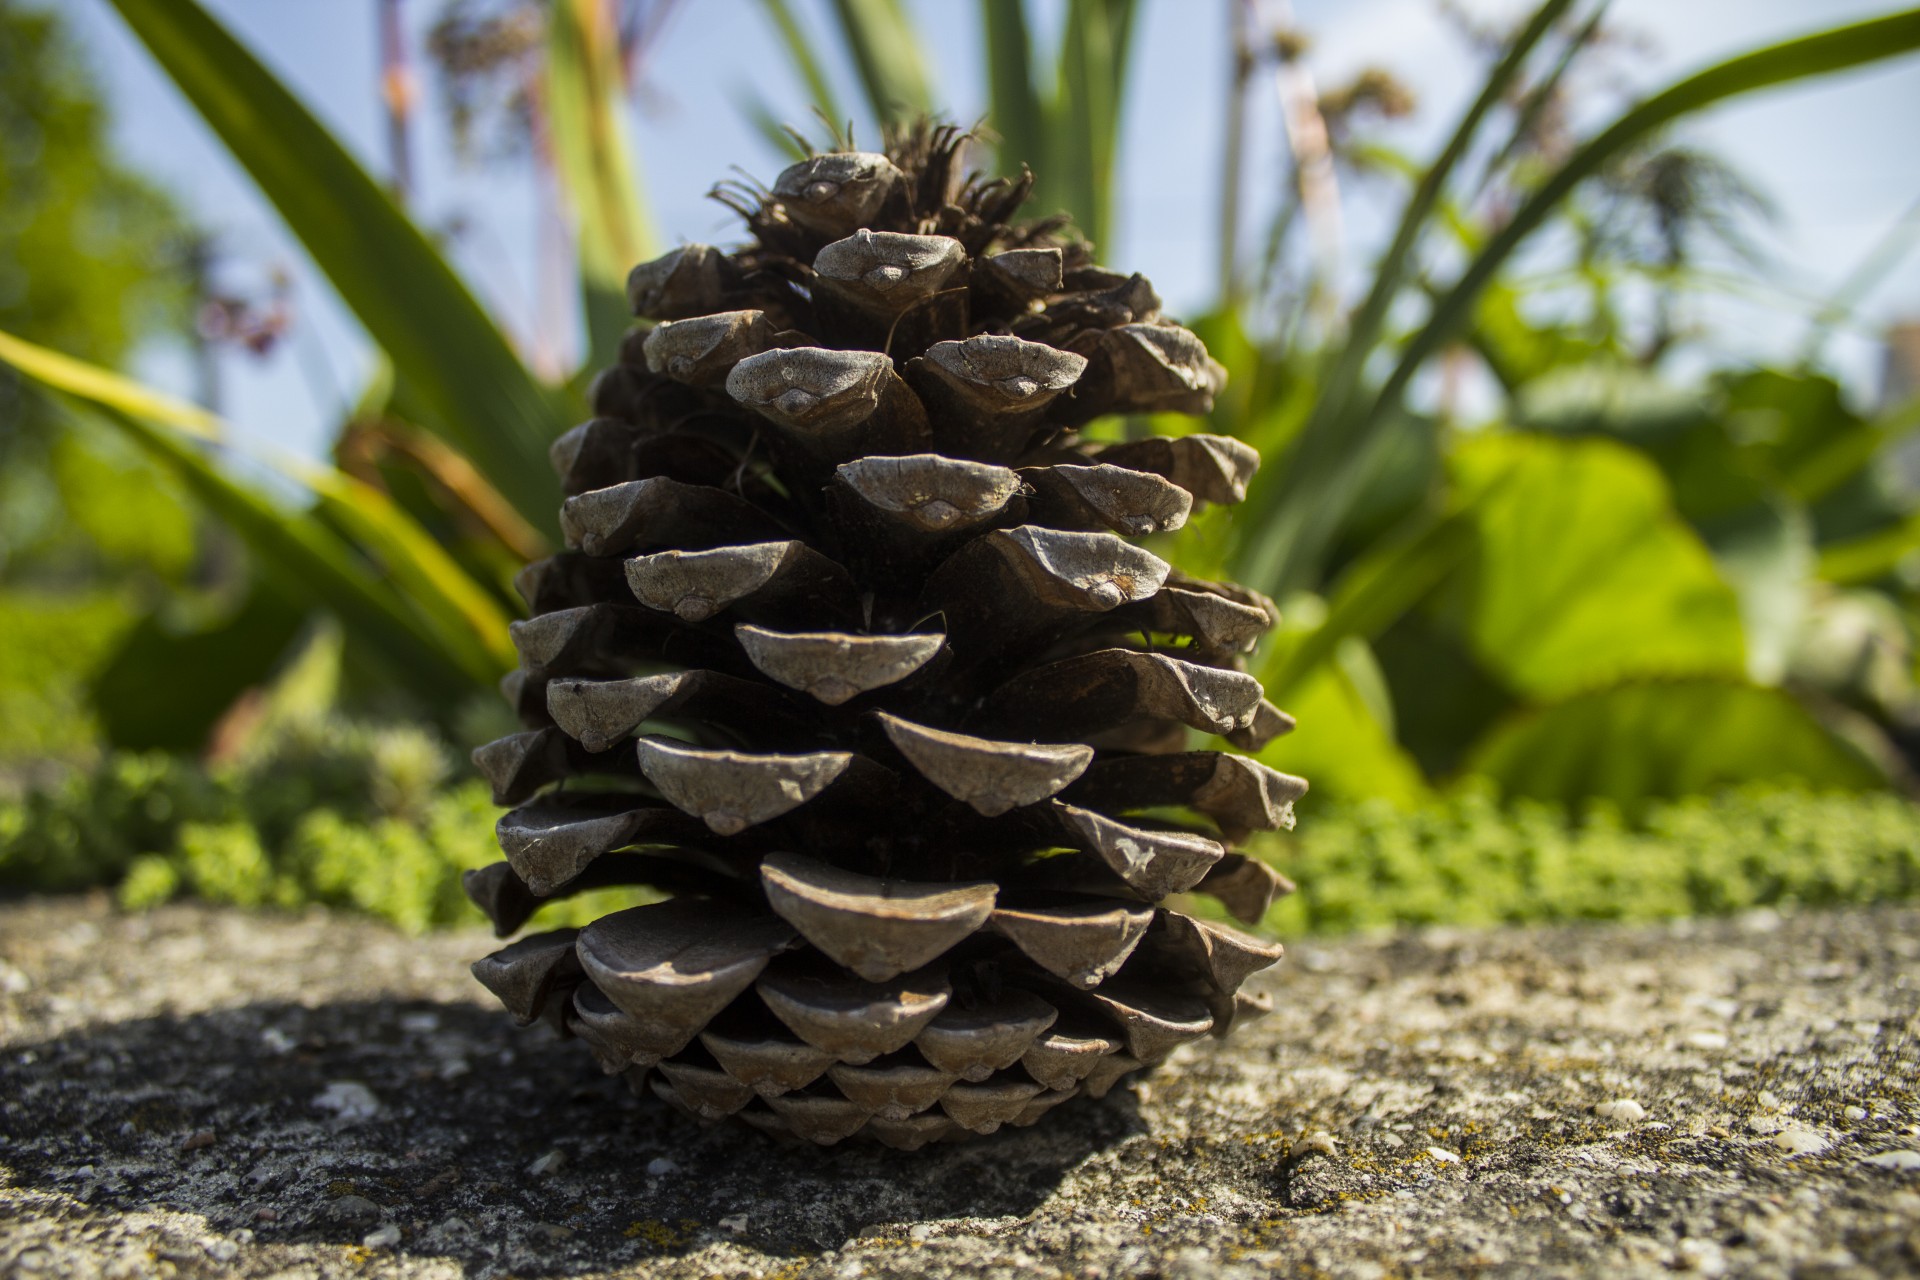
833	194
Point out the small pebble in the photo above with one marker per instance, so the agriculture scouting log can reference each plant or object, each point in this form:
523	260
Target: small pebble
276	1041
1443	1155
353	1209
1767	1100
1799	1142
1855	1114
350	1100
384	1238
221	1250
1709	1040
1622	1110
1905	1161
734	1222
548	1163
198	1140
419	1023
660	1167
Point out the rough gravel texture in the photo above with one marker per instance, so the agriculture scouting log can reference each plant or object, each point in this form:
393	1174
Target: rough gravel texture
207	1092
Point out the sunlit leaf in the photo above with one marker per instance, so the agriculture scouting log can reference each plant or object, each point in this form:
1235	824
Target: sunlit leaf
593	155
1638	742
1582	574
412	603
443	346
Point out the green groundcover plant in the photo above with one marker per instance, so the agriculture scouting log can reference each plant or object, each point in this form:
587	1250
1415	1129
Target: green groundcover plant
359	817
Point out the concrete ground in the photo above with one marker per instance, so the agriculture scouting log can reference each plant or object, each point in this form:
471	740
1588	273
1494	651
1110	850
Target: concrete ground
201	1092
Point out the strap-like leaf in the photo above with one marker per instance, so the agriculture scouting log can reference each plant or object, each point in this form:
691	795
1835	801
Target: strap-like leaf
886	52
593	154
425	615
443	346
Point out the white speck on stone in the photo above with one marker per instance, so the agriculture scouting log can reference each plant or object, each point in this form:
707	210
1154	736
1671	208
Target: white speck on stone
221	1250
1321	1142
1799	1142
12	981
1443	1155
1904	1161
420	1023
733	1222
276	1041
920	1231
383	1238
1855	1114
1767	1100
660	1167
1712	1041
349	1100
1621	1111
548	1163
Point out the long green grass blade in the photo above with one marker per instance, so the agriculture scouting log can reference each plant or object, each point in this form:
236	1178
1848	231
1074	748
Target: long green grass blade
1092	88
481	397
1326	462
1824	53
593	153
888	55
1319	486
806	61
424	613
1015	110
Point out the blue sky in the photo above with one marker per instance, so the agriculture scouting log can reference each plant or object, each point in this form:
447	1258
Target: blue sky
1838	157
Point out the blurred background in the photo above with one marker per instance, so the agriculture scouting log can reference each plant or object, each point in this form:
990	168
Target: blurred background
1581	341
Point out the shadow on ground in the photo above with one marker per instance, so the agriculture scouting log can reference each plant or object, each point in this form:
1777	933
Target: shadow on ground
327	1123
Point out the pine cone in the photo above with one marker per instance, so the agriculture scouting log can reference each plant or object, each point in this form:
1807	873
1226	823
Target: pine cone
850	656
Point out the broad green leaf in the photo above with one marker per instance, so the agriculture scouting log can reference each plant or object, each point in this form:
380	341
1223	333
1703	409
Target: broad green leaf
888	55
593	155
443	346
167	685
423	612
1582	574
1340	746
1637	742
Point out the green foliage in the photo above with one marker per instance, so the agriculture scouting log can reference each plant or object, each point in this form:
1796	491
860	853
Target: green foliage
446	352
51	644
1469	861
328	812
1638	741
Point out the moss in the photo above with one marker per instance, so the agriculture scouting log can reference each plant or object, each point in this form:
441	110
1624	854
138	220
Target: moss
361	818
1470	860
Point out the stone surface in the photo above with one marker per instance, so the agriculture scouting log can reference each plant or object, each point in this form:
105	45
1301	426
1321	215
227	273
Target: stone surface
1416	1106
